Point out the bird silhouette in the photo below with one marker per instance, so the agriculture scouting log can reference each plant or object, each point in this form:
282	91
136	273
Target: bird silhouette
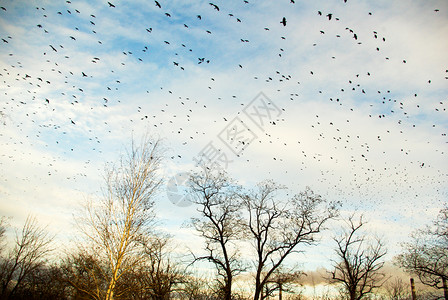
214	6
283	21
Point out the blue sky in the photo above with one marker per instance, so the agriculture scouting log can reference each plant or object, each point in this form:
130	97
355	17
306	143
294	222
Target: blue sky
331	89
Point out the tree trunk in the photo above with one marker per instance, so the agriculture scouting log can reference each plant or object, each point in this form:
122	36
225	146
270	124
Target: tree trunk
228	288
110	291
445	288
414	297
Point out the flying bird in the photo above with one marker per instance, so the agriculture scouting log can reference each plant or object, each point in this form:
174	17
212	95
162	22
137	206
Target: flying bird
283	21
110	4
214	6
158	4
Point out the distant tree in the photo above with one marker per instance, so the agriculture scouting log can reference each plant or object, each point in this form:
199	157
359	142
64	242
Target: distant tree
396	289
196	287
219	223
3	227
45	282
359	261
115	225
282	281
276	227
86	275
31	248
158	276
426	255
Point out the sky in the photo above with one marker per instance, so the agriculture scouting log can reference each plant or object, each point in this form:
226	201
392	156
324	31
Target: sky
348	97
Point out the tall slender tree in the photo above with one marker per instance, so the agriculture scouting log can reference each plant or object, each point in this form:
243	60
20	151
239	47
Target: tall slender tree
115	225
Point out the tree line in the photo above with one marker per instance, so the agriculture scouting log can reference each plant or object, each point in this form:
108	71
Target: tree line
121	253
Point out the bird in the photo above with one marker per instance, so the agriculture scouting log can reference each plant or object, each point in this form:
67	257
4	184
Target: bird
283	21
110	4
214	6
158	4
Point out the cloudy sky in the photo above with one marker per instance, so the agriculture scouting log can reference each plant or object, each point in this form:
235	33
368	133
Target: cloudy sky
348	98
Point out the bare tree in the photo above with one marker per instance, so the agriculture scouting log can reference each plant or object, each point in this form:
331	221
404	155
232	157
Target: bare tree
219	224
32	245
3	227
397	290
86	274
197	287
276	228
282	281
359	262
158	276
115	225
427	254
45	282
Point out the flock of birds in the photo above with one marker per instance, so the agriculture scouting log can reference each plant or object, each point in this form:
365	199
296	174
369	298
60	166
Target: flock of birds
73	100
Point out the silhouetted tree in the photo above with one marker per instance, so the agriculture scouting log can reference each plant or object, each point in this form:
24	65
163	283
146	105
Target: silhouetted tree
31	247
276	227
158	275
3	226
86	274
282	281
45	282
219	224
360	260
427	254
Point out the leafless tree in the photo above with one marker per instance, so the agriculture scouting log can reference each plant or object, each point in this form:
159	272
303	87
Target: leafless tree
159	275
396	289
196	287
86	274
282	281
45	282
3	227
359	261
115	225
32	246
427	254
277	227
219	224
